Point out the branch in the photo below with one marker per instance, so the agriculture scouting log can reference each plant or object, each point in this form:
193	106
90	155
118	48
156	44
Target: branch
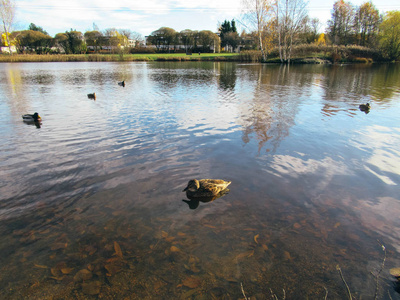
344	281
380	270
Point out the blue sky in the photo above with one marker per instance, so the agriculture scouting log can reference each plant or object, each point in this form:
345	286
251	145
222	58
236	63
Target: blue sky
147	16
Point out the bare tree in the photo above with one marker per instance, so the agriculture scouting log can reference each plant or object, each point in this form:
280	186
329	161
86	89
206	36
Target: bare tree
290	17
257	14
7	13
341	23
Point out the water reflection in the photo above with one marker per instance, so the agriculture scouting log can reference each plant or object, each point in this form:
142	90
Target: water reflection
194	202
227	76
93	206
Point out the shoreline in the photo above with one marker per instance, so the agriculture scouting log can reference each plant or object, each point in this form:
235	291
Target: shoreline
175	57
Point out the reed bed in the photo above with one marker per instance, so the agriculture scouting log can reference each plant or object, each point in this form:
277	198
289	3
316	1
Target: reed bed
117	57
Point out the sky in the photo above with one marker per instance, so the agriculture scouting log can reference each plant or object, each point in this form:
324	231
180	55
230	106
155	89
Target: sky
146	16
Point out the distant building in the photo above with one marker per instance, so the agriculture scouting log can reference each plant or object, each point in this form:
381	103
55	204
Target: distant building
7	49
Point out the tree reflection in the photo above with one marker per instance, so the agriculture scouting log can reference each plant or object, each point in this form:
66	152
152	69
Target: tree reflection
228	77
273	107
345	84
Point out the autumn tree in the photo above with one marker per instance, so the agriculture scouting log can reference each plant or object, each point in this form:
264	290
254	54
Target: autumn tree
7	13
257	15
309	31
131	35
389	35
341	24
366	23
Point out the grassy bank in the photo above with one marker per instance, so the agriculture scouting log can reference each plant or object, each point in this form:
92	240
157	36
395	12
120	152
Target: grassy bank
119	57
300	54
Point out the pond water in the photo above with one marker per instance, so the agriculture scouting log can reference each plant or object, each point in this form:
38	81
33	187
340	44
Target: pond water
91	200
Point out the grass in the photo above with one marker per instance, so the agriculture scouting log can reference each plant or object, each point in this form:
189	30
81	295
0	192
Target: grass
119	57
308	53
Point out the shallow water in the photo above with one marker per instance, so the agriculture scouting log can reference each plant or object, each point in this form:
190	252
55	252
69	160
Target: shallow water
96	191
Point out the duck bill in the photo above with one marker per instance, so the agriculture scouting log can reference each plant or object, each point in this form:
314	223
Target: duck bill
185	189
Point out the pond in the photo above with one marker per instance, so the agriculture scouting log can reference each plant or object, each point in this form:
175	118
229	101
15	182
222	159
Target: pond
91	201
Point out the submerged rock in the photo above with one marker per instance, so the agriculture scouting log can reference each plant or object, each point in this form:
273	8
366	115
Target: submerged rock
82	275
91	288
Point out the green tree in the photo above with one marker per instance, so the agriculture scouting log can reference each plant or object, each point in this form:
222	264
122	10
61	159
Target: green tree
94	39
32	40
389	35
208	40
232	40
70	41
341	24
228	34
163	38
187	39
7	13
37	28
61	40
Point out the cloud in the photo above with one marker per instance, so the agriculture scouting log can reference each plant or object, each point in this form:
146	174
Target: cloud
137	16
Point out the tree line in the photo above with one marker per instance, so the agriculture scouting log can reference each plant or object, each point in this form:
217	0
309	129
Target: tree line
285	24
269	25
36	39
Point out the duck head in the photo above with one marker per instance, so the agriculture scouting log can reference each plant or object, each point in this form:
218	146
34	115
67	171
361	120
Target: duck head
35	116
193	186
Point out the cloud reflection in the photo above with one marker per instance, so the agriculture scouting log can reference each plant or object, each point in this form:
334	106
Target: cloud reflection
384	159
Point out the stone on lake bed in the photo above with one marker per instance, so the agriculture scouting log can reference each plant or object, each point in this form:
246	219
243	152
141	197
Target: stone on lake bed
82	275
395	272
91	288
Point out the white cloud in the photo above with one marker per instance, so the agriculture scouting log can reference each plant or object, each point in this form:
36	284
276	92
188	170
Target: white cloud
140	16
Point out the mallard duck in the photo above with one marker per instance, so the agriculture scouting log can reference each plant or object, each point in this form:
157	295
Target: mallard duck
92	96
31	118
365	107
205	187
122	83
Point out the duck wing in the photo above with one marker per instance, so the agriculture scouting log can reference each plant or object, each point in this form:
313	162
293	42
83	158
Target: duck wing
213	186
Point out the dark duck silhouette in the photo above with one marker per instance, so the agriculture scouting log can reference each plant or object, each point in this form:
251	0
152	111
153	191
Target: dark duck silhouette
92	96
365	107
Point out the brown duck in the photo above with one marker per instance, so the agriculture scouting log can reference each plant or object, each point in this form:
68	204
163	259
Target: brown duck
205	187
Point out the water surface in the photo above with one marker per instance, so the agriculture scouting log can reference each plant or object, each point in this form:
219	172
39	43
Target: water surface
91	202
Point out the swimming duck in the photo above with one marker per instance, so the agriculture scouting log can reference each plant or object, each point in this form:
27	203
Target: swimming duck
205	187
122	83
92	96
365	107
31	118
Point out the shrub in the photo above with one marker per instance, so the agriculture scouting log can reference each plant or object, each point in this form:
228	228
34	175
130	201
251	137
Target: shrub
143	50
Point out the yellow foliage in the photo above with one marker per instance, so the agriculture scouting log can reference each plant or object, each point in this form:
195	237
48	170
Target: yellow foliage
4	40
321	40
